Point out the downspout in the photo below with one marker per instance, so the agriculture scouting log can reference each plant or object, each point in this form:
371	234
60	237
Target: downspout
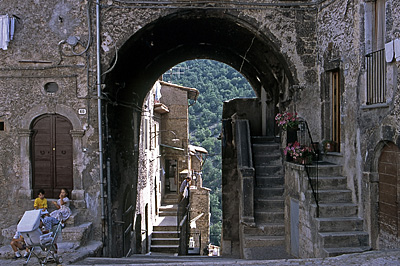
99	118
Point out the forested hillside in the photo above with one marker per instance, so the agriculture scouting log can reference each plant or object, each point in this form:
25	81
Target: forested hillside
217	83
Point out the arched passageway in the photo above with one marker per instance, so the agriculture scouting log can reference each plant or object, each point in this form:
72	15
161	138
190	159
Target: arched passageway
164	43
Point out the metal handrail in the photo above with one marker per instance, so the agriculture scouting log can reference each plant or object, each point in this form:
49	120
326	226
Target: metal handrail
316	152
183	218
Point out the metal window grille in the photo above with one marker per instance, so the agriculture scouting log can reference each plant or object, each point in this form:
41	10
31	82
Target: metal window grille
376	77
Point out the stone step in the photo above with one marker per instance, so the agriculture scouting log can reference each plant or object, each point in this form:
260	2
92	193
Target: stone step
277	204
344	239
167	213
169	207
269	147
265	193
338	224
332	252
164	228
78	233
165	234
267	159
331	195
269	170
264	139
330	182
263	241
169	201
170	195
165	248
325	170
165	241
73	220
269	229
335	210
269	217
269	181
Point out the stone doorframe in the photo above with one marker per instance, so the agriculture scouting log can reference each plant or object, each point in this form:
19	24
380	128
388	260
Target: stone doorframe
371	177
25	134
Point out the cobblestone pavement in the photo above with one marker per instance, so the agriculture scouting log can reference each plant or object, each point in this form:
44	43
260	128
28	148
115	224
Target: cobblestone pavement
371	258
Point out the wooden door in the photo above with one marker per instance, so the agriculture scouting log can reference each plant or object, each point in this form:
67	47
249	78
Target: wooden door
388	168
52	155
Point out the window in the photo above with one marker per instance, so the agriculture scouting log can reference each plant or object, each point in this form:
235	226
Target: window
336	108
375	57
1	125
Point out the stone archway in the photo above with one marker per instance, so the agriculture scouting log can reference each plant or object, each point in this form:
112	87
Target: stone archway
389	195
185	35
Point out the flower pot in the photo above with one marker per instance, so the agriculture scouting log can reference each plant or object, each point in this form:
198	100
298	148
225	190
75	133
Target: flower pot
291	134
330	146
304	160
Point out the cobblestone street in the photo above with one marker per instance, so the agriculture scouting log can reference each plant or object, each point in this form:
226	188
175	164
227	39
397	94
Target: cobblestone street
372	258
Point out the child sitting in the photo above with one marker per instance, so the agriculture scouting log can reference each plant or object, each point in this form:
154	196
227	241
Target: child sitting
63	211
17	244
41	203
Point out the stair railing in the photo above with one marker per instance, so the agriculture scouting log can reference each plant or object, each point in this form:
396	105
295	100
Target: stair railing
314	145
183	225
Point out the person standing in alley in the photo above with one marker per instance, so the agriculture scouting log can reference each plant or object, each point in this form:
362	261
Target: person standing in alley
185	185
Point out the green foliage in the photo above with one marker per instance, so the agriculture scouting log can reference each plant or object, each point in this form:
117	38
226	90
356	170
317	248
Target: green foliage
216	82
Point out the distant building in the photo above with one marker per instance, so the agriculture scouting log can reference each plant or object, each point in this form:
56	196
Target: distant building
166	158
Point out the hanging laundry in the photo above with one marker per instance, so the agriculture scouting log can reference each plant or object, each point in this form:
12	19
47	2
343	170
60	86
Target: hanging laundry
12	28
7	27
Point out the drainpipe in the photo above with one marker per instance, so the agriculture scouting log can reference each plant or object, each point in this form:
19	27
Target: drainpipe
99	119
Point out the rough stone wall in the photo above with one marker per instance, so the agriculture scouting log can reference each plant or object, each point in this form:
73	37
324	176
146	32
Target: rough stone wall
344	38
149	165
312	43
200	203
33	58
296	187
176	121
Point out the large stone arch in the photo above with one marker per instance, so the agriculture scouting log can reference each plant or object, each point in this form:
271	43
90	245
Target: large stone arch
25	134
167	41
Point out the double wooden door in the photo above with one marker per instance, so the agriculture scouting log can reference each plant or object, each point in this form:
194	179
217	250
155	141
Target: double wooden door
52	155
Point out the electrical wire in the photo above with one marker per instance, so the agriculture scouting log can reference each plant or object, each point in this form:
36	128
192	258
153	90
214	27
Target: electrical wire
61	43
115	62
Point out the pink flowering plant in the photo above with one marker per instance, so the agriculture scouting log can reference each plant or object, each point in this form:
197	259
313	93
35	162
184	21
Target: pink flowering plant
286	120
298	152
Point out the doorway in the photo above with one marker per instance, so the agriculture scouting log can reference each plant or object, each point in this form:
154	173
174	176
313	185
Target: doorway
52	155
388	169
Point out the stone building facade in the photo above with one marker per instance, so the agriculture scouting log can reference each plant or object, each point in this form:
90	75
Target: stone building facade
88	65
165	160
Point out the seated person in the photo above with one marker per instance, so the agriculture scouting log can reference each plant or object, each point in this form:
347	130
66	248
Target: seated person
41	203
63	211
17	244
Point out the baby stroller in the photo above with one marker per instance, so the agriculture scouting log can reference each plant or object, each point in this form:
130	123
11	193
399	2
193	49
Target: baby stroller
29	227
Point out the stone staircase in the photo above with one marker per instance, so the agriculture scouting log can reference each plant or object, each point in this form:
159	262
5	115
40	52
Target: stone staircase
267	239
76	237
340	230
165	237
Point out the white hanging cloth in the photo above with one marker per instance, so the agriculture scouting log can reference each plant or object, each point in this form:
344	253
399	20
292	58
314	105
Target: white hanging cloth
7	26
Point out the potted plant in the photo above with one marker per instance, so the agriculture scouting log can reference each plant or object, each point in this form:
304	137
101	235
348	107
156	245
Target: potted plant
287	120
329	146
300	153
